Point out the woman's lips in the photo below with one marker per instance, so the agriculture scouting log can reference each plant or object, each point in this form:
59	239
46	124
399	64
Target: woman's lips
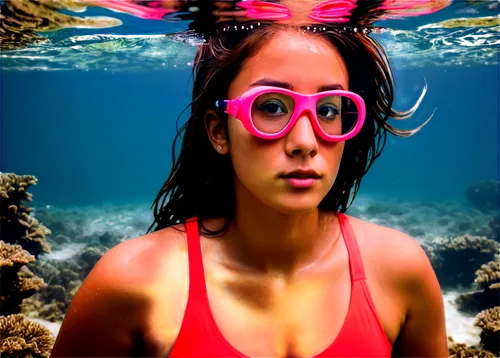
301	182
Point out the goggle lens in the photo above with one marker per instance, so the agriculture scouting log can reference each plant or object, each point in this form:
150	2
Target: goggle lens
272	111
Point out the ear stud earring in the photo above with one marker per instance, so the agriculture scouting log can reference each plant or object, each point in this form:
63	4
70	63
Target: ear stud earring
219	148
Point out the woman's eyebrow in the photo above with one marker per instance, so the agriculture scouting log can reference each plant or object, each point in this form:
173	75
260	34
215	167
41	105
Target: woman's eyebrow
331	87
287	85
273	83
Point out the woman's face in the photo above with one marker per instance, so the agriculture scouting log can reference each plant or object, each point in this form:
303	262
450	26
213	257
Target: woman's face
306	63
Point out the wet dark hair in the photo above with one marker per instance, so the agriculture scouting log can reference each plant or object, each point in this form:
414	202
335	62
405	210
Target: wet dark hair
201	182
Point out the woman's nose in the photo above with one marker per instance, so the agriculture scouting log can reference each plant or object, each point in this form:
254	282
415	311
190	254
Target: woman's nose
302	138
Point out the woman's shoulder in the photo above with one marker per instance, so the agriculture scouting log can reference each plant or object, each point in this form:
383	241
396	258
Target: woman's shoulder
379	237
134	267
398	270
157	258
141	259
116	297
389	249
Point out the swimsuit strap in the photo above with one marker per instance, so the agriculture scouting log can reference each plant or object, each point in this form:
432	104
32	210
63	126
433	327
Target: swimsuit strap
196	272
355	261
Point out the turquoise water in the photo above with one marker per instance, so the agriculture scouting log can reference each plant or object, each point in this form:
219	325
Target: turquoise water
91	113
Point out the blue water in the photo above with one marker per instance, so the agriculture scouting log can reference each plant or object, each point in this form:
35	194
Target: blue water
99	137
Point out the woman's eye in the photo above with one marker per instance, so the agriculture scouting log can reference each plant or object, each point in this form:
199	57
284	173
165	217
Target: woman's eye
328	111
273	107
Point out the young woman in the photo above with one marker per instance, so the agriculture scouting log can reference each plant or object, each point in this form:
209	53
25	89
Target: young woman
252	254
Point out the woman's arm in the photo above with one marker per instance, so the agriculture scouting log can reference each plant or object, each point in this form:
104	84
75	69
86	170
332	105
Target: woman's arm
104	318
424	332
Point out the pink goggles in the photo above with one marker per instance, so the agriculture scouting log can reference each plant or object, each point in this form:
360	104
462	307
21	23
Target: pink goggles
270	112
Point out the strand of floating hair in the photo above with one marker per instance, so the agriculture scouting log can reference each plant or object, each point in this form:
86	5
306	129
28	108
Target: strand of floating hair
407	114
402	115
407	132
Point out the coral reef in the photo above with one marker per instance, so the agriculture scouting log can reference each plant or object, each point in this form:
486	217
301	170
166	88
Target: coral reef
488	294
16	224
23	239
488	276
21	338
65	275
17	281
484	195
455	260
489	321
460	350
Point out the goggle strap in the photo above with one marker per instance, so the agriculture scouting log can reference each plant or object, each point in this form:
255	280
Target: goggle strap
221	104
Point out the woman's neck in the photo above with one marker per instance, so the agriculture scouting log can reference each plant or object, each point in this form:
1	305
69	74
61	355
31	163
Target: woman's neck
264	240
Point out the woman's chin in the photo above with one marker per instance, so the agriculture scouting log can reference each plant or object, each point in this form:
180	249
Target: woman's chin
296	207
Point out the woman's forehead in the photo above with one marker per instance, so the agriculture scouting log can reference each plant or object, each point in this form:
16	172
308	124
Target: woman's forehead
304	61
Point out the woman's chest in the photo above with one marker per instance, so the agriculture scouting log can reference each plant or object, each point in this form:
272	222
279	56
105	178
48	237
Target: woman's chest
276	318
295	319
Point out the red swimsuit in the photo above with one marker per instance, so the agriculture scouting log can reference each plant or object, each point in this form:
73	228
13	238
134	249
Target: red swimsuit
361	335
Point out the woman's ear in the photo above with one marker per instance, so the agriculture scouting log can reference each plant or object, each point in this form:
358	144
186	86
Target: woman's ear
216	131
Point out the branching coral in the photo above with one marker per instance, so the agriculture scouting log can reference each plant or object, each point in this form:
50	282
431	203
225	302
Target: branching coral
21	338
488	294
26	239
488	276
16	224
17	281
489	321
456	260
460	350
468	242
